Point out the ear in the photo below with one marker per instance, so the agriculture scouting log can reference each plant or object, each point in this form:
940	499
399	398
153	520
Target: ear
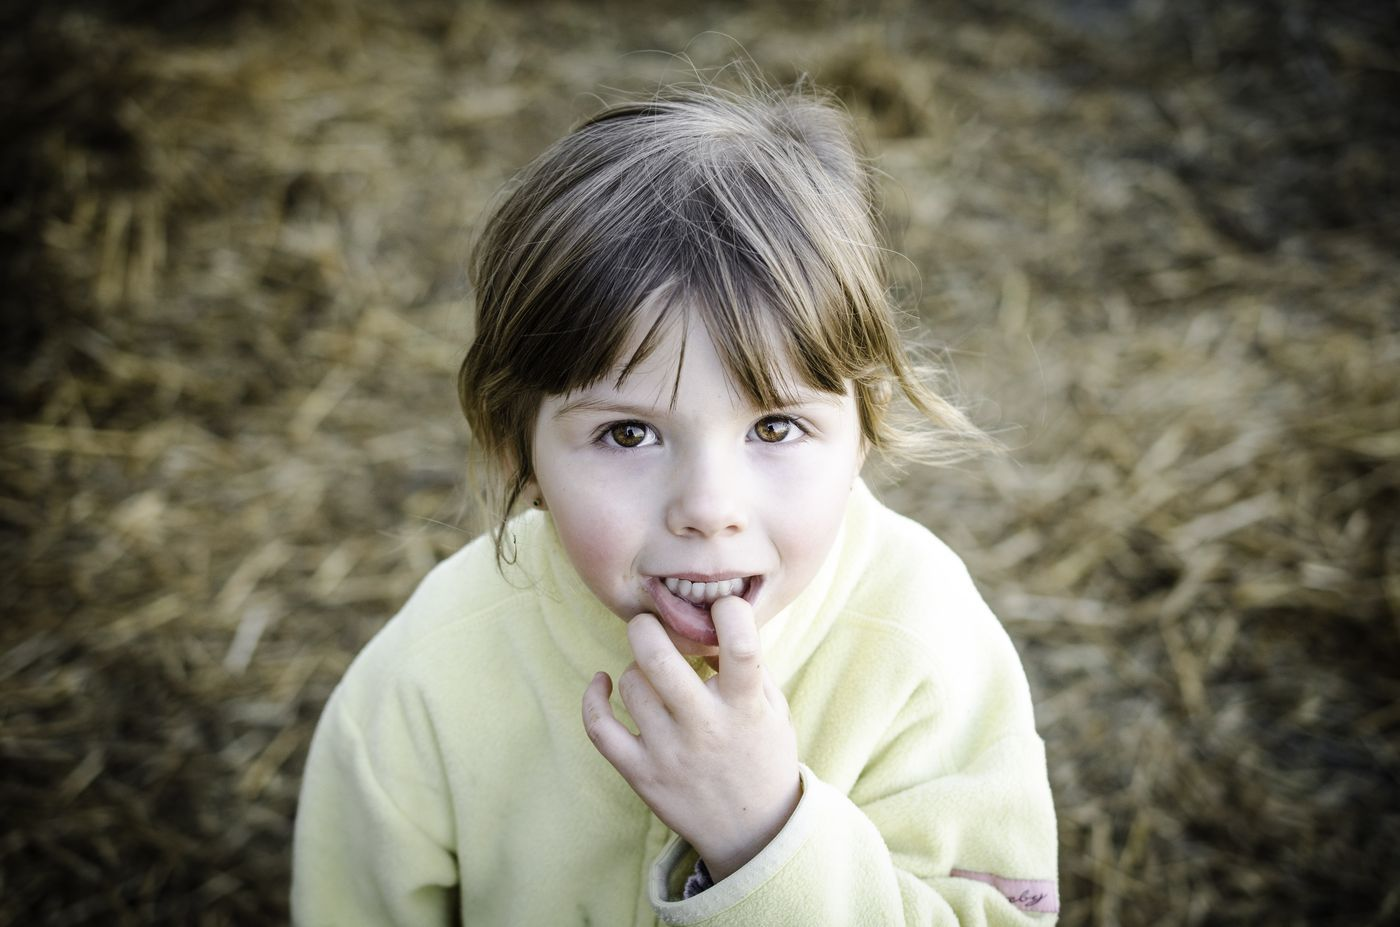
876	395
532	494
861	454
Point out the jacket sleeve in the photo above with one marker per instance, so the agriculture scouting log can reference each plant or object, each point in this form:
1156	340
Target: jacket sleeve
372	840
950	821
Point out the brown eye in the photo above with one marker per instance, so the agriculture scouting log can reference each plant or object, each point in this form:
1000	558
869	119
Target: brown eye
628	434
773	430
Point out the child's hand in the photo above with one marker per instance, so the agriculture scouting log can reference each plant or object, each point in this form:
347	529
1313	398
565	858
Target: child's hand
716	760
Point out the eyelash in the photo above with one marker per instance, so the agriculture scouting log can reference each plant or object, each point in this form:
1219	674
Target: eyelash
604	434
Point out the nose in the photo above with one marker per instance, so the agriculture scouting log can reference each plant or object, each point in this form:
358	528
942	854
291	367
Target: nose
707	498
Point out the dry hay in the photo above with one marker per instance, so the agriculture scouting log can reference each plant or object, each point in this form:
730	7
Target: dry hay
1159	242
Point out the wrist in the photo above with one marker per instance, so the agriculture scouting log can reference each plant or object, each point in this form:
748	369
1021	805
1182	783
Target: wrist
755	829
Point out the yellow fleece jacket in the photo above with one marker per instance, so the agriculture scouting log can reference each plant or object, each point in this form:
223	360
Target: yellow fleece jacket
450	779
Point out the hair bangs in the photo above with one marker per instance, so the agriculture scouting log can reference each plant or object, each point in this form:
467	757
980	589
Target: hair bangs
768	302
589	313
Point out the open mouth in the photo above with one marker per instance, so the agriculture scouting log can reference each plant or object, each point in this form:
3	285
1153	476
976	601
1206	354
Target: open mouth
683	605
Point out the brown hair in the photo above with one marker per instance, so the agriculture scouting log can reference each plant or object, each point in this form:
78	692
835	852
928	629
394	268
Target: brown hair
754	210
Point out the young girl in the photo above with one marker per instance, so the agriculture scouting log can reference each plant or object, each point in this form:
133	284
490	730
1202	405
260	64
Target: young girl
795	706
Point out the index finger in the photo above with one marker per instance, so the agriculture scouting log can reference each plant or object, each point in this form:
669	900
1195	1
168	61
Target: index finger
672	678
740	653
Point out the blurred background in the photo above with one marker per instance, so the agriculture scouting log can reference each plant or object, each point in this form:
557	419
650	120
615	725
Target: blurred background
1156	241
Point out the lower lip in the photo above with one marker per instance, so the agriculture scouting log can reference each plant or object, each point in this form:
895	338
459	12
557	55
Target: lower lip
684	618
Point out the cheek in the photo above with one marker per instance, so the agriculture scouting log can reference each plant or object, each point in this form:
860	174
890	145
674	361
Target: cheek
807	534
600	539
592	544
806	512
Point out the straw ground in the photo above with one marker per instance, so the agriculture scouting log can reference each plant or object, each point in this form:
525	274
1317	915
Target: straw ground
1156	240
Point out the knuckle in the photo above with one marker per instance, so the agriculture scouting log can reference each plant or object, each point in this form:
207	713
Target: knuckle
745	651
648	780
593	724
677	759
630	682
658	668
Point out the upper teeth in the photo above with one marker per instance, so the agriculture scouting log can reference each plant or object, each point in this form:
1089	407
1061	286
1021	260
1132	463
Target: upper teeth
706	592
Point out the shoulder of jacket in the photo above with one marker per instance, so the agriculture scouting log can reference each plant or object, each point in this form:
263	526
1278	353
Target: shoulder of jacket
457	601
910	572
915	603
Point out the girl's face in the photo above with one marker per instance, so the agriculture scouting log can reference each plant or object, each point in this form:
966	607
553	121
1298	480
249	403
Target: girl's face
664	507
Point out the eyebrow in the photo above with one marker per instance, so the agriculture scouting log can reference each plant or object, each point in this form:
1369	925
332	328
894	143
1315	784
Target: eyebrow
590	404
595	404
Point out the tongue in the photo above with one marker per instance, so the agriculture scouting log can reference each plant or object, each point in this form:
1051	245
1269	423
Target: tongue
686	618
693	621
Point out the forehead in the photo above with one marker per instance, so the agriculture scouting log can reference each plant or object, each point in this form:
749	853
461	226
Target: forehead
670	357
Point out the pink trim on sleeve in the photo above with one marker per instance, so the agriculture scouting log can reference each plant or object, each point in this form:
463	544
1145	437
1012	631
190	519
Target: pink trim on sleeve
1039	895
